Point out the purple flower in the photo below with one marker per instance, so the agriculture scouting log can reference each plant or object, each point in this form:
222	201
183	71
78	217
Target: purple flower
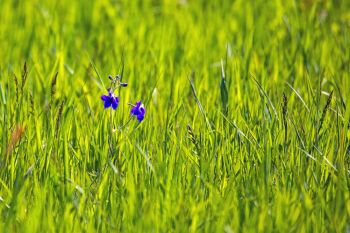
138	111
110	100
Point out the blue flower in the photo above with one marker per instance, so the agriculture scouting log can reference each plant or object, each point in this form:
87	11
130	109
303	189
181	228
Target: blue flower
110	100
138	111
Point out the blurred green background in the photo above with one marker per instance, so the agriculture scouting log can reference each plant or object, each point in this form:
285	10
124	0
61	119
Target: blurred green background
213	154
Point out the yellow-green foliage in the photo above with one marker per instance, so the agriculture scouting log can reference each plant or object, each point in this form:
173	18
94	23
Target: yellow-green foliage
241	133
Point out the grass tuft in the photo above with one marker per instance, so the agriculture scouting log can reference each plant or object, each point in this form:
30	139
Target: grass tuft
249	142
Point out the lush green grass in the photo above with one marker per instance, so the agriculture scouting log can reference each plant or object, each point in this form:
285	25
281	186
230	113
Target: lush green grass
265	164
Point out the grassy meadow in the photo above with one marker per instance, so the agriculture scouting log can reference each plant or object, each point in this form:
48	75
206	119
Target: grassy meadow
247	124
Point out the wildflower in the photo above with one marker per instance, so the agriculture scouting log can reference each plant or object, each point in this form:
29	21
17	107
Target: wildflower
138	111
117	81
110	100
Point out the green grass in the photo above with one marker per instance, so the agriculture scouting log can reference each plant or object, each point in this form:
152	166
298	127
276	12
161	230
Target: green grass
210	156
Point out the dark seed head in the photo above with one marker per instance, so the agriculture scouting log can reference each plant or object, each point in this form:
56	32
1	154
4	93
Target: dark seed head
24	75
16	86
326	107
58	118
284	106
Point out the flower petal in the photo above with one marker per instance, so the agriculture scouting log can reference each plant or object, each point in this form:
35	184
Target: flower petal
142	109
104	97
140	117
134	111
108	103
115	102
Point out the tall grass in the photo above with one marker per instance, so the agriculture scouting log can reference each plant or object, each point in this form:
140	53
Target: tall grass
246	129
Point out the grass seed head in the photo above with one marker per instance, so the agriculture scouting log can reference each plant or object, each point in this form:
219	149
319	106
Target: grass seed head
32	109
326	107
16	86
58	118
193	137
24	75
16	136
284	106
53	88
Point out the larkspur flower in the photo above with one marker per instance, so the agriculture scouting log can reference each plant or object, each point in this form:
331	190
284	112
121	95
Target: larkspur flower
110	100
138	110
117	81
